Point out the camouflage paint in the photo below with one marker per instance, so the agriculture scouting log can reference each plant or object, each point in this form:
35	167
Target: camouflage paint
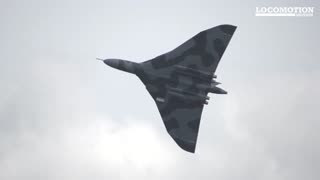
180	80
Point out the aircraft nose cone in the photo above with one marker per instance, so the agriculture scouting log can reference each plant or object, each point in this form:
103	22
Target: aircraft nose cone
111	62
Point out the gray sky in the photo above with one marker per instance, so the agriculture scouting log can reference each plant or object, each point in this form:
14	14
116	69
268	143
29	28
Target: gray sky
64	115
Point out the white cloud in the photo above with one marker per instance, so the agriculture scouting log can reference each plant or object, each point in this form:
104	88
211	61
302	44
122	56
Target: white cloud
65	116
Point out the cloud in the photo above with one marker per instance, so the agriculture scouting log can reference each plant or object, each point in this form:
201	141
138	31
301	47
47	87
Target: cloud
65	116
57	132
52	127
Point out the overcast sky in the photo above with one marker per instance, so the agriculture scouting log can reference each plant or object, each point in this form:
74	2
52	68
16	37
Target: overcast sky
66	116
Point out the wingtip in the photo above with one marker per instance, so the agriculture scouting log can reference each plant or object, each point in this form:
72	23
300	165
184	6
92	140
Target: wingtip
189	147
225	28
228	28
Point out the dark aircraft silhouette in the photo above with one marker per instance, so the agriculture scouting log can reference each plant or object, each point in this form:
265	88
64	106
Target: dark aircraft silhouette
180	80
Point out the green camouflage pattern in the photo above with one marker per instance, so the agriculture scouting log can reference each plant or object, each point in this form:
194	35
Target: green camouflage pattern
179	81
